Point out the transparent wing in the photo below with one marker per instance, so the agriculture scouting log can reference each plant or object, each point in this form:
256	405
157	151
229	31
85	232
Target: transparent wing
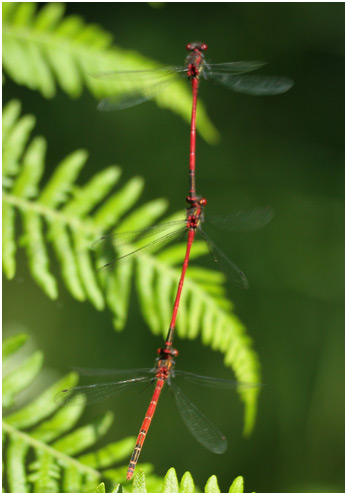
132	98
209	381
91	394
200	427
142	74
156	243
234	273
234	67
122	238
111	372
134	87
243	221
254	85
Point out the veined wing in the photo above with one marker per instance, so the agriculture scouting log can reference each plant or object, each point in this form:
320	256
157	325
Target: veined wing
209	381
134	87
235	274
122	238
234	67
254	85
205	432
112	372
242	221
153	244
91	394
133	75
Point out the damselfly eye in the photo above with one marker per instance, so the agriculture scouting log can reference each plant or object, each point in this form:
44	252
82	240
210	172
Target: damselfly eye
203	47
188	47
203	202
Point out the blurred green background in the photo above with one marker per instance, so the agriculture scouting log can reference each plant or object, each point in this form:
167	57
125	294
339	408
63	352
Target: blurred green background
286	151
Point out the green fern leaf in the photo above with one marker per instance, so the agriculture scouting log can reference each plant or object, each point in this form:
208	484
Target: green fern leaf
42	49
53	444
16	453
187	483
70	217
100	488
45	477
20	378
170	482
237	485
12	345
212	485
139	483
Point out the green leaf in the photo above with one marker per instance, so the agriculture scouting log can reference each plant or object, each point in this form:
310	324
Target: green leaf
14	145
32	169
82	438
72	479
46	473
41	407
62	421
56	191
212	485
139	483
15	465
12	345
170	482
10	116
20	378
110	212
44	49
100	488
34	242
112	453
237	485
187	483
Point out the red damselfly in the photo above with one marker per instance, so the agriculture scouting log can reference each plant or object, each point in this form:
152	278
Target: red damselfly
145	84
243	221
200	427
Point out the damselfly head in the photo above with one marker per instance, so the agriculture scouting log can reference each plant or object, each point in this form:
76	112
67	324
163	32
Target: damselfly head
196	45
196	201
165	352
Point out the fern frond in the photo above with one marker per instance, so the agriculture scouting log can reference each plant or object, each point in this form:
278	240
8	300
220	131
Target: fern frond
142	484
48	435
43	49
69	217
